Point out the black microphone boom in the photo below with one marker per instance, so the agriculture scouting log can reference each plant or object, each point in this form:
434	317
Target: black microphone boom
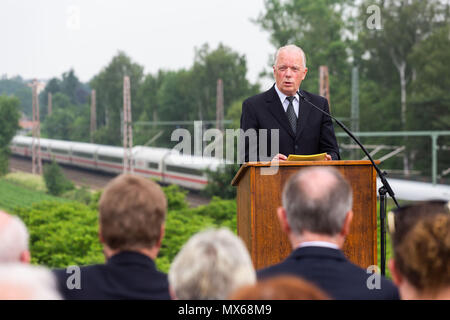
386	188
381	174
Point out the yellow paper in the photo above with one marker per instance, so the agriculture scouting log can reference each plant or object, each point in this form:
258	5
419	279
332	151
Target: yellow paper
309	157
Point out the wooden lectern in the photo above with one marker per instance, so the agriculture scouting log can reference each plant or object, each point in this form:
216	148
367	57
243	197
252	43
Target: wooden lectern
259	196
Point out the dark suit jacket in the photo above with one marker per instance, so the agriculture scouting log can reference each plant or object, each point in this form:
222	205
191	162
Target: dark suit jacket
315	133
332	272
126	275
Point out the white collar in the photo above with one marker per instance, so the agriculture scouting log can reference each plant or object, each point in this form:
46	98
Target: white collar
282	96
324	244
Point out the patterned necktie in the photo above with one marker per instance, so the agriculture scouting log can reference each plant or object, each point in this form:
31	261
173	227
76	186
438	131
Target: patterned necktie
290	113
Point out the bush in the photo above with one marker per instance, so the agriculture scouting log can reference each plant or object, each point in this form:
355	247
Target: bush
180	226
62	234
183	224
82	195
176	197
27	180
55	180
222	212
95	199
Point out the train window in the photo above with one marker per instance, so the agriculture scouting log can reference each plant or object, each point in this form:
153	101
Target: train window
194	172
61	151
44	149
152	165
110	159
82	154
22	145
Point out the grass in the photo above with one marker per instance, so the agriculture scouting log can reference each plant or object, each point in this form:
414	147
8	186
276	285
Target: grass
13	195
27	180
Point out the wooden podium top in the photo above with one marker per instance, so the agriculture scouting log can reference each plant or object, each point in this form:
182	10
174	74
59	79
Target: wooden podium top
259	194
247	165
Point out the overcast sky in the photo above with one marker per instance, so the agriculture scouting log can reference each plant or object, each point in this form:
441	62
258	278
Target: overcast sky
44	38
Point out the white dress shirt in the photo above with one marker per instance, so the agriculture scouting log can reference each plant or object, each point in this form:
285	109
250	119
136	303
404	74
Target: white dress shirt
318	244
285	102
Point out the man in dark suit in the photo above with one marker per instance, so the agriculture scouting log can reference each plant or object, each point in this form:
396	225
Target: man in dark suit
302	128
131	227
316	215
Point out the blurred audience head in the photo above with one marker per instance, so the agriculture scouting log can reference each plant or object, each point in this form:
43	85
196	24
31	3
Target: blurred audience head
401	220
280	288
13	239
25	282
421	264
317	201
210	266
132	214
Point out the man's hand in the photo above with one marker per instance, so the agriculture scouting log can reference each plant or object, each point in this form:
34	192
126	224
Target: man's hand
279	157
328	157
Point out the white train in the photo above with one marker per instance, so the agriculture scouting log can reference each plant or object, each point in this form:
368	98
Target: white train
165	165
168	166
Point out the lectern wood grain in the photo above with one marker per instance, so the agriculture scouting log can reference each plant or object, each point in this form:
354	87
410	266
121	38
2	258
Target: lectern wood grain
259	196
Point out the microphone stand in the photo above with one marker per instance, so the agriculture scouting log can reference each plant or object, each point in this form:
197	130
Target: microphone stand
382	191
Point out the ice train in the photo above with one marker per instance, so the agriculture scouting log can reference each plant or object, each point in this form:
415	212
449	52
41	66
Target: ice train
170	167
165	165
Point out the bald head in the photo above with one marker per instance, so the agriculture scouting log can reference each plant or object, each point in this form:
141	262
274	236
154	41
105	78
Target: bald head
317	200
13	239
4	219
317	183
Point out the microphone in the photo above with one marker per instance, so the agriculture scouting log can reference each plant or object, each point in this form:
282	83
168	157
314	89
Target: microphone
380	174
382	191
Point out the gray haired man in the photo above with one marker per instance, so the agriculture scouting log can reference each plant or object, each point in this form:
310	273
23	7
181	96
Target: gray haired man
316	216
13	239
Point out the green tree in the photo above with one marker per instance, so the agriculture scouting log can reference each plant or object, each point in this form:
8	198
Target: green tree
18	87
147	95
429	100
76	92
234	113
9	123
81	125
60	124
405	25
209	66
109	88
219	182
144	133
318	28
55	180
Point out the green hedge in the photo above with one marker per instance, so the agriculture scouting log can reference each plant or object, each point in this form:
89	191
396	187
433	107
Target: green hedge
64	233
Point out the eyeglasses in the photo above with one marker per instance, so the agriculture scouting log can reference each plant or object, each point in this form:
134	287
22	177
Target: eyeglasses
400	220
